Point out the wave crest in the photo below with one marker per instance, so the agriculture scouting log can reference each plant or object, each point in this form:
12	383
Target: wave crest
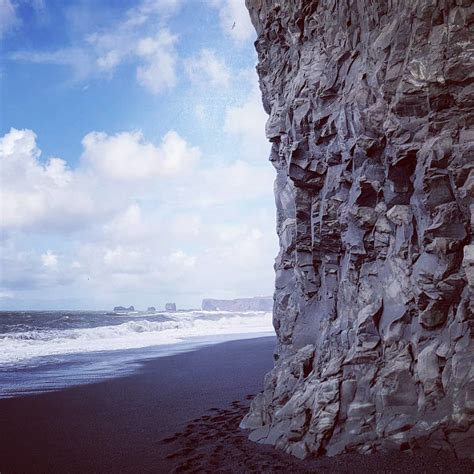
20	347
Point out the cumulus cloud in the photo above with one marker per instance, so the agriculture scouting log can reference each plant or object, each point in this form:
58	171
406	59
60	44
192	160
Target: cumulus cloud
206	68
36	192
127	156
133	218
30	189
235	20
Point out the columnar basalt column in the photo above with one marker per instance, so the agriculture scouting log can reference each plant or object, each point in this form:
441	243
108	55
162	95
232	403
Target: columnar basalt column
371	113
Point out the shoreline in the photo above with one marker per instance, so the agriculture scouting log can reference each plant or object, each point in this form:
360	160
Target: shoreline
178	413
116	425
68	370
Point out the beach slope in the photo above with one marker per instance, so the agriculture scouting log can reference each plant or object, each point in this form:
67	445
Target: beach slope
176	414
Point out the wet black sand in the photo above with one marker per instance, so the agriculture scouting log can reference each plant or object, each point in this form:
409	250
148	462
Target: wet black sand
178	413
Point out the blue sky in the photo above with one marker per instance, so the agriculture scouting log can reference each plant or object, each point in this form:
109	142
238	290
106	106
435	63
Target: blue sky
133	160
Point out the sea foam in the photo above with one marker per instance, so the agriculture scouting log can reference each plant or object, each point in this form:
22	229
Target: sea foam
19	348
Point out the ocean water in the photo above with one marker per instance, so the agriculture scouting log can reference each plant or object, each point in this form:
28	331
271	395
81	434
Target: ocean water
49	350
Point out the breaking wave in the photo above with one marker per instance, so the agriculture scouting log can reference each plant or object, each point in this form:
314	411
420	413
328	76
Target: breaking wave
20	346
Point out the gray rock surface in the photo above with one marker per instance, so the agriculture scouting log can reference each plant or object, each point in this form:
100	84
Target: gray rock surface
170	307
371	112
122	309
257	303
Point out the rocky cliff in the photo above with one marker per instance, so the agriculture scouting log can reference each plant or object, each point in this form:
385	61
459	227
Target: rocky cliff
371	112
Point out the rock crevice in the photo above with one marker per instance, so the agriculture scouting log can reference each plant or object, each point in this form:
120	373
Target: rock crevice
371	113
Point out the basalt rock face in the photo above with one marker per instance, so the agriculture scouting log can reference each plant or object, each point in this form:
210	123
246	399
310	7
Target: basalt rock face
371	112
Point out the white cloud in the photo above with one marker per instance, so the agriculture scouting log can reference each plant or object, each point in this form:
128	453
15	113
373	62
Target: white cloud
226	183
235	20
246	122
127	156
48	193
79	60
121	259
155	55
113	170
23	268
38	5
30	189
185	232
182	260
58	172
200	112
158	72
207	69
135	39
8	17
140	14
128	225
49	259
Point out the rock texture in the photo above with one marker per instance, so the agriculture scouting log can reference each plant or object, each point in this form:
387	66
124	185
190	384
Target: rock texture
170	307
257	303
371	112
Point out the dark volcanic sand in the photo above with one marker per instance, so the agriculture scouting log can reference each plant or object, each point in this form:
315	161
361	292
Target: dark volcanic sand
178	413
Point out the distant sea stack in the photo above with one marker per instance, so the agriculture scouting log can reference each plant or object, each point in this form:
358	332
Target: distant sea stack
122	309
151	309
170	307
258	303
371	114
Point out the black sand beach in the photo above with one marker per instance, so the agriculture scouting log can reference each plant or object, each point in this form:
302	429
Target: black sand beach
178	413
